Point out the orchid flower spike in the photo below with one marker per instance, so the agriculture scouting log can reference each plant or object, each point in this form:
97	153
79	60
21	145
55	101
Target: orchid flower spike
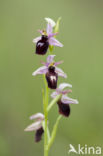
65	101
46	38
51	71
36	126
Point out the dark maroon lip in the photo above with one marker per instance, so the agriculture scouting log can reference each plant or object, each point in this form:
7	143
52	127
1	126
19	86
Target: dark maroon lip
64	109
51	69
42	46
52	78
38	134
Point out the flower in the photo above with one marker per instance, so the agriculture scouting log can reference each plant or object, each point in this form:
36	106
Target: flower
36	126
46	38
65	101
51	71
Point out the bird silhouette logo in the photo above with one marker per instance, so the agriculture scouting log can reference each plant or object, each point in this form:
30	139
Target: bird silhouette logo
72	149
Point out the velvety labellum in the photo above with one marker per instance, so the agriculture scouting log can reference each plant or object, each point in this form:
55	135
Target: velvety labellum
42	45
64	109
52	77
39	134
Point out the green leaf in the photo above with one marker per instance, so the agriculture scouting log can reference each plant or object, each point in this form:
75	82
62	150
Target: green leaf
54	132
56	29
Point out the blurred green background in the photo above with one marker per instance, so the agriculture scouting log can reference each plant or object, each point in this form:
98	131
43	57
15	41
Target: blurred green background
81	32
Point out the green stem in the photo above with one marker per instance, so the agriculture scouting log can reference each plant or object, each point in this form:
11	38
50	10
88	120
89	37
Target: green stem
47	137
53	102
46	118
